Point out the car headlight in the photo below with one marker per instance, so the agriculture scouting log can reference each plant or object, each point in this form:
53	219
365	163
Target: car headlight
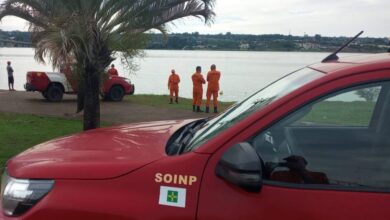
19	195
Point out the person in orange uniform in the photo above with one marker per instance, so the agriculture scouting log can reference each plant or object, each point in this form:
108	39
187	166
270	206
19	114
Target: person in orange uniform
213	77
173	86
113	71
197	92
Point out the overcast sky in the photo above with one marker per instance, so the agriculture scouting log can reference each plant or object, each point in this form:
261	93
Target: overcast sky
325	17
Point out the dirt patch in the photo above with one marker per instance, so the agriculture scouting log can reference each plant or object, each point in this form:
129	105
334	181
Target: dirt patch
114	112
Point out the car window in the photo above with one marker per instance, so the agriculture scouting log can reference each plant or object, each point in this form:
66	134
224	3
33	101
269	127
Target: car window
254	103
352	108
332	142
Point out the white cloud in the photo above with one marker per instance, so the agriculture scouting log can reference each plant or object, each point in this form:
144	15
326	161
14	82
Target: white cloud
13	23
328	18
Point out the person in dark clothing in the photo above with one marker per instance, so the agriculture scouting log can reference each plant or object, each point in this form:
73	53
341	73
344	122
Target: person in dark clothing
10	72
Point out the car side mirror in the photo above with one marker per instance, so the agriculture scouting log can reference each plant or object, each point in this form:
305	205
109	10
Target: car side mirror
240	165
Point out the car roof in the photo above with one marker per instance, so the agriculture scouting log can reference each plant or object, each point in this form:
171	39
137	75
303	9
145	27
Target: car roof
366	62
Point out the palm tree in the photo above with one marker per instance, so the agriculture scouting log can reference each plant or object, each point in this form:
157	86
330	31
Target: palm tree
90	33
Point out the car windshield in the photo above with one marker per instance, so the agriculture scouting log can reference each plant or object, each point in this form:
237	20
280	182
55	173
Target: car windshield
257	101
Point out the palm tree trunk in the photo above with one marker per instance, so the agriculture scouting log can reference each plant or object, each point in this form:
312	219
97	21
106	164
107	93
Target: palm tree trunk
80	96
91	97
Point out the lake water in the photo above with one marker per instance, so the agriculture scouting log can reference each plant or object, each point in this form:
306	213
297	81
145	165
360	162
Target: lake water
243	73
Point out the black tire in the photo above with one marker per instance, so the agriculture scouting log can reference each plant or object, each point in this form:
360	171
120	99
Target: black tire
103	96
44	94
132	92
116	93
54	93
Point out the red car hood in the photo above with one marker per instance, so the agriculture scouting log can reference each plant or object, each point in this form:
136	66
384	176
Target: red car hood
97	154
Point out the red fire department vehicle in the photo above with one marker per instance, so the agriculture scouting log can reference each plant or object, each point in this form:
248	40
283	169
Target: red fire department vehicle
53	85
312	145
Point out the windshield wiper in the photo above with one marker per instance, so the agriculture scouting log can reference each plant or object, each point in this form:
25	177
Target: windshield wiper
178	146
187	137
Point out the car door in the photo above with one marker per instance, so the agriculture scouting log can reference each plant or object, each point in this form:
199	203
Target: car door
329	159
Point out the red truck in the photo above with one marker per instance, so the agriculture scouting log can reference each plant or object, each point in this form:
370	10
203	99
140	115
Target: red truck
53	85
312	145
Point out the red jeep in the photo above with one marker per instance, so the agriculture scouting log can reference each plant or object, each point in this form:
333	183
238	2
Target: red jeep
53	85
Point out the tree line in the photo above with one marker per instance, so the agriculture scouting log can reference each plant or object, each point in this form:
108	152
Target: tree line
246	42
267	42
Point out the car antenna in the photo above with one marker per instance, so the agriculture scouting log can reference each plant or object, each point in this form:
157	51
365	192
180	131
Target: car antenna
334	56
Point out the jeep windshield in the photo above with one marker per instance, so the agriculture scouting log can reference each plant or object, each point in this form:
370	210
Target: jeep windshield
254	103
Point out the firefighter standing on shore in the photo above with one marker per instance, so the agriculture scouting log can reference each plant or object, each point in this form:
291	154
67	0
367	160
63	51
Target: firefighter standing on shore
197	92
173	86
213	77
113	71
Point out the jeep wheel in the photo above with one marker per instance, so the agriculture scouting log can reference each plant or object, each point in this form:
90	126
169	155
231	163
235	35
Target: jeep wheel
54	93
116	93
44	94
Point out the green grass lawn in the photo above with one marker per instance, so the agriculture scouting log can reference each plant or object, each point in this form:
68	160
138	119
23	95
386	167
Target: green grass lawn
19	132
163	101
339	113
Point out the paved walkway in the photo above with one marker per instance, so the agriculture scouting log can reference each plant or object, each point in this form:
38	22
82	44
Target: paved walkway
115	112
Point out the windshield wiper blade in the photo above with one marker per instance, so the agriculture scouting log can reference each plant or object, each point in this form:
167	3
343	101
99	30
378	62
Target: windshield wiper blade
187	134
193	129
